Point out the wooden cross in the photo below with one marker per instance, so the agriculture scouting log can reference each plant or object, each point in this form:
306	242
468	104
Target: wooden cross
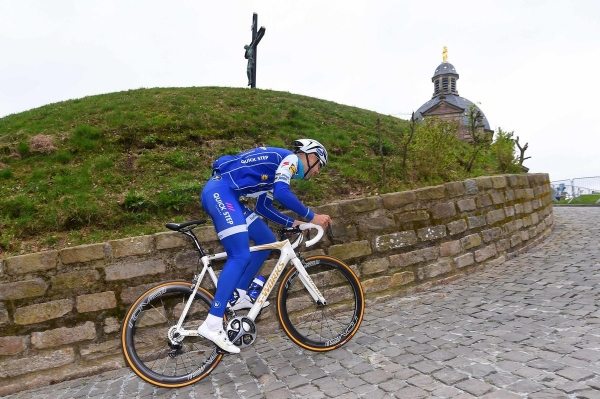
251	51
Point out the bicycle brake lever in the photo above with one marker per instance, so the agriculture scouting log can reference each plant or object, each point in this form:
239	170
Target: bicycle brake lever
329	232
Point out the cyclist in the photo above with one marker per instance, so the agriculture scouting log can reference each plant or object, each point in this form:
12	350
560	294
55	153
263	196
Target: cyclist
264	173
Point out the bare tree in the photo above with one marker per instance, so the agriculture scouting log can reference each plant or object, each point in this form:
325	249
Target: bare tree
475	123
406	143
522	150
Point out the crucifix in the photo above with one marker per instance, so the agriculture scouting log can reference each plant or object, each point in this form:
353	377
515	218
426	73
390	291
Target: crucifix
251	51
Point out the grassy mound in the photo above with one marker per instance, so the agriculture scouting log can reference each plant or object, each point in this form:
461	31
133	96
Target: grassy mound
121	164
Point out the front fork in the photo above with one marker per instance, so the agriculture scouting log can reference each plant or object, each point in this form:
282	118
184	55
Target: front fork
308	282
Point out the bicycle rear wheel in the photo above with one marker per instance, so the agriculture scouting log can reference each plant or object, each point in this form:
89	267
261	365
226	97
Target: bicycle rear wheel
144	337
315	327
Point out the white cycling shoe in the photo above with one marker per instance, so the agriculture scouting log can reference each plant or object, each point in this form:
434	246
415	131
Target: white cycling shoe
245	303
219	337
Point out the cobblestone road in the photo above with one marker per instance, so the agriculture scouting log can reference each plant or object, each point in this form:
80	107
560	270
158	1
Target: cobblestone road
527	328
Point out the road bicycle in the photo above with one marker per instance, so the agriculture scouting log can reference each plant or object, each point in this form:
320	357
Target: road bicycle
320	305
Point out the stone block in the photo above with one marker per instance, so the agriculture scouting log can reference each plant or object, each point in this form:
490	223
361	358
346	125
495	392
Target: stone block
63	336
454	189
42	361
503	245
375	223
23	289
495	216
527	207
417	256
350	250
491	234
12	345
344	231
442	266
475	222
43	311
456	227
111	325
82	253
187	260
498	181
374	266
464	260
398	200
471	241
497	197
78	280
141	245
509	211
130	294
519	193
206	234
3	315
96	301
360	205
529	194
467	204
333	209
106	348
395	240
432	232
484	200
483	183
535	219
171	239
471	187
450	248
443	210
36	262
412	216
431	193
128	270
376	284
402	278
509	195
485	253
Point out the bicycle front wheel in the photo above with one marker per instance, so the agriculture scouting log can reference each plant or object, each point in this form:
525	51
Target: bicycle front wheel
317	327
147	347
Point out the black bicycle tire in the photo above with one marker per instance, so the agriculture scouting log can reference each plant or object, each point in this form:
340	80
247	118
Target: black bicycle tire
128	332
291	331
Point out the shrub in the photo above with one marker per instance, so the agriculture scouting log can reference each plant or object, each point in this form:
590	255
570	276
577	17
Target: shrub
42	144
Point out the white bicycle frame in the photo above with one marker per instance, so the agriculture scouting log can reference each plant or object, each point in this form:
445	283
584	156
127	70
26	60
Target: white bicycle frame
287	254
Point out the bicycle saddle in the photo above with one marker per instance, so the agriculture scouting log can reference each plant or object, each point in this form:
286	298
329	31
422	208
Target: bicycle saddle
185	226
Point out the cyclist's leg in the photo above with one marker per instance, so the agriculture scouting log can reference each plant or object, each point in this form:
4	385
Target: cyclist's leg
221	203
259	233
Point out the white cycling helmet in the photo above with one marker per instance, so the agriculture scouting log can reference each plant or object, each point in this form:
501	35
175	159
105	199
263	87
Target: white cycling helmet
309	146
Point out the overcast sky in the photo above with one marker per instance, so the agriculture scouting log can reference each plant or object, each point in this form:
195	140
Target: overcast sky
529	65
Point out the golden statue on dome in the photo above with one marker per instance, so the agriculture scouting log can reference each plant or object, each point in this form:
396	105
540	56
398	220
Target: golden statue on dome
445	54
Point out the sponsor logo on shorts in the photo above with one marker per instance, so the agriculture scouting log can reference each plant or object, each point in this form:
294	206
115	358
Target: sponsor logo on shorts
222	208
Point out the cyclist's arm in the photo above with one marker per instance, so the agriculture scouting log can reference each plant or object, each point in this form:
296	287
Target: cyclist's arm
265	207
281	188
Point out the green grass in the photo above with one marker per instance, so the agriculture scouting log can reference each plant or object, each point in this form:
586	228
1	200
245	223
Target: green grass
585	199
125	163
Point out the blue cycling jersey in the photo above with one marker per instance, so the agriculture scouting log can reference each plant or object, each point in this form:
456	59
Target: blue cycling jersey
265	173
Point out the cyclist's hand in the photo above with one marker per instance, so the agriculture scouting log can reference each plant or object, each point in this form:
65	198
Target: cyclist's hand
321	219
297	223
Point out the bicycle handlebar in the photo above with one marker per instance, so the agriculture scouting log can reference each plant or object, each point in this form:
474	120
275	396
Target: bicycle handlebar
302	227
320	231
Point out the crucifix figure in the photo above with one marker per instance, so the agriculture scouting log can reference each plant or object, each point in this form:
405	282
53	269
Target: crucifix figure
251	51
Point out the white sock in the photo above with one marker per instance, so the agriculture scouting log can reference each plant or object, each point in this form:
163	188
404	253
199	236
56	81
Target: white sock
241	292
213	322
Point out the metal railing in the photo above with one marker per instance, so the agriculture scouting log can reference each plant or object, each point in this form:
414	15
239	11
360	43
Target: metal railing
570	189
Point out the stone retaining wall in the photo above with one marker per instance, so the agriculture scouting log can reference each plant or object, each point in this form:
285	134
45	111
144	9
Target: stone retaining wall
60	310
